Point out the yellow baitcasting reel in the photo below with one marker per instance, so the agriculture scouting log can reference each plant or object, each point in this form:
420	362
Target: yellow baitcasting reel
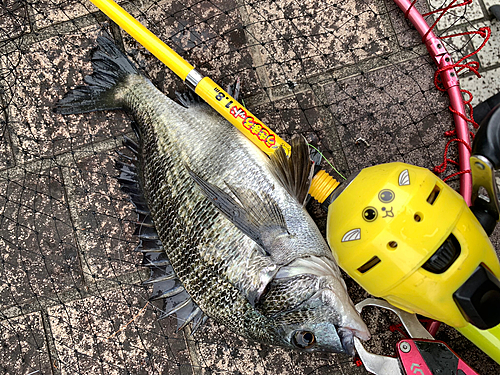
406	236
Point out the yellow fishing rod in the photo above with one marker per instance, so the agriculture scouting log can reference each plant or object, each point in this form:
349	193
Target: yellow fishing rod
207	89
366	214
233	111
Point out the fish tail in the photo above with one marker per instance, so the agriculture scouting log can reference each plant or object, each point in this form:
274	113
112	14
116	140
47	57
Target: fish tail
110	68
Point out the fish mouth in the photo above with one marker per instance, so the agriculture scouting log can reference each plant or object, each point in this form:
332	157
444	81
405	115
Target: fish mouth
347	339
347	336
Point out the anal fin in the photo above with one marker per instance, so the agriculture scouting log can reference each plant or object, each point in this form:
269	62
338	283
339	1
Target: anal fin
166	285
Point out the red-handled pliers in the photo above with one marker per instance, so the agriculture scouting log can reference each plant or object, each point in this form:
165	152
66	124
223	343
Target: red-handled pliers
418	355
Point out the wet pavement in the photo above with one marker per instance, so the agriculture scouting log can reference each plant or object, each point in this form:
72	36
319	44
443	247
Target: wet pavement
351	76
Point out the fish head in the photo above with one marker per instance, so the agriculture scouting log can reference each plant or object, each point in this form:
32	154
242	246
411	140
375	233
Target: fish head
312	309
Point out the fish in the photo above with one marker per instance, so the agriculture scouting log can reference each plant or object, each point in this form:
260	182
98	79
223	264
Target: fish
221	225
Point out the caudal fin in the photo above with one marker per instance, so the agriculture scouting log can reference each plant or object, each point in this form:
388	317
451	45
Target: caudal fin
110	67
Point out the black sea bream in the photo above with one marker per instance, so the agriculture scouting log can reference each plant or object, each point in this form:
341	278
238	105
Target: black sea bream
233	241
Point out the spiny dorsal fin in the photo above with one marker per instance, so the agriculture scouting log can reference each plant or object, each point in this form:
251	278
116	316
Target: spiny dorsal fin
294	172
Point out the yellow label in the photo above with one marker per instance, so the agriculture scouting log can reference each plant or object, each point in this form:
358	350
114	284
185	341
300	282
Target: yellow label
233	111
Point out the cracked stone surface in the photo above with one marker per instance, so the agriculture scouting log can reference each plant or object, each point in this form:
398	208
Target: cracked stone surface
489	55
39	258
489	84
92	336
104	217
23	346
220	350
351	76
50	12
375	125
303	39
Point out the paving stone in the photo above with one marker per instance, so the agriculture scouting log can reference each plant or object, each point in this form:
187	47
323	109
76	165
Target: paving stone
489	3
50	12
39	260
23	346
14	19
103	216
462	15
490	54
221	351
44	73
377	123
208	34
484	87
373	91
83	336
303	39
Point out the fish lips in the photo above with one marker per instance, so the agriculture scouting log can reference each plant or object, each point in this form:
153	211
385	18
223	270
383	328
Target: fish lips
347	339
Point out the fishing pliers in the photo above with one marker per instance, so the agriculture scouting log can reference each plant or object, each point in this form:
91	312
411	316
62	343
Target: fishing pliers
420	354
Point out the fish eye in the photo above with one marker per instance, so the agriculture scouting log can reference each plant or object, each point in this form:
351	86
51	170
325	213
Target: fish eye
303	339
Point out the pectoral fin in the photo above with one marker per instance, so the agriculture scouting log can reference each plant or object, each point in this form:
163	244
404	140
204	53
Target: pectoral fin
265	278
256	216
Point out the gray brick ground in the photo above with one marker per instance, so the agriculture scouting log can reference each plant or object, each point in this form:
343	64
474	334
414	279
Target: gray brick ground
39	259
24	346
83	336
351	76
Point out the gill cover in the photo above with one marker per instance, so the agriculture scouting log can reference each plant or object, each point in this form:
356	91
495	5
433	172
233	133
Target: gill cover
406	236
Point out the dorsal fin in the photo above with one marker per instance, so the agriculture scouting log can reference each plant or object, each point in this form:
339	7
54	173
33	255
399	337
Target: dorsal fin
295	171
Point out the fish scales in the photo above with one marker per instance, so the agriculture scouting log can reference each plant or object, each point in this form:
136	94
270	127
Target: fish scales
239	242
175	203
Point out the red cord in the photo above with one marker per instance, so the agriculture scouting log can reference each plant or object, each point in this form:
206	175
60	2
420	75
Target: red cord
451	6
485	33
442	167
455	174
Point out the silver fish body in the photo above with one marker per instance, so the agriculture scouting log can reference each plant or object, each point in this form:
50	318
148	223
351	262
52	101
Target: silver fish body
242	249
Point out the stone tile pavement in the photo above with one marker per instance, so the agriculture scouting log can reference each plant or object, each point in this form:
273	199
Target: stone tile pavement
349	75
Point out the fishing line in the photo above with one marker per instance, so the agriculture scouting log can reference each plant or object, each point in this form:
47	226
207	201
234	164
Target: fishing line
328	161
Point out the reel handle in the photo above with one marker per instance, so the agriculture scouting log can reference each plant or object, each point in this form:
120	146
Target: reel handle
487	139
484	160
